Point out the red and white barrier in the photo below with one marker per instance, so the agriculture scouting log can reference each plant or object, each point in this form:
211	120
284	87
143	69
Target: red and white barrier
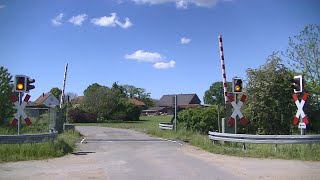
20	110
237	111
224	81
300	111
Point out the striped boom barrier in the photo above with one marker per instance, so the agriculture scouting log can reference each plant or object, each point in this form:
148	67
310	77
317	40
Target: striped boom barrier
224	77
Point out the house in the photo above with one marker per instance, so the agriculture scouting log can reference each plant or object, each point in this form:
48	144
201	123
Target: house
166	103
77	101
183	100
137	102
47	99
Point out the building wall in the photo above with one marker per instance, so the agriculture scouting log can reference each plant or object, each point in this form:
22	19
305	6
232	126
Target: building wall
51	101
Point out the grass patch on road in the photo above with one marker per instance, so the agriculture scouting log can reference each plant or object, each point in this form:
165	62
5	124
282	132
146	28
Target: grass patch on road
150	125
64	144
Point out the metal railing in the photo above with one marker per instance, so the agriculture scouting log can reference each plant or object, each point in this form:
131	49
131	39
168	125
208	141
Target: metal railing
27	138
264	139
166	126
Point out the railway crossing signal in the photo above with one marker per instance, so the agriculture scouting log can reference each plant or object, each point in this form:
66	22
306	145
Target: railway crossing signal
23	83
20	82
297	84
237	85
29	84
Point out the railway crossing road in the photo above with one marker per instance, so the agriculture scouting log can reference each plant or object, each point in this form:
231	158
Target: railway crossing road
120	154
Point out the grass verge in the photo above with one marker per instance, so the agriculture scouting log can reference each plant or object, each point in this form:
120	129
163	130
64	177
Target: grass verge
150	125
64	144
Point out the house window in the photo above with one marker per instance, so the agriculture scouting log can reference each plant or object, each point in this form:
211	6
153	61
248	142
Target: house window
51	99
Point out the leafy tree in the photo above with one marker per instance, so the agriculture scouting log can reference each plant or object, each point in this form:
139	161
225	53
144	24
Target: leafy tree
304	55
138	93
6	110
100	100
118	90
93	87
269	106
56	92
216	89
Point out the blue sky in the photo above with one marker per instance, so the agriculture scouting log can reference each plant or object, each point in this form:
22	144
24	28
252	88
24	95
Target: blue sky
164	46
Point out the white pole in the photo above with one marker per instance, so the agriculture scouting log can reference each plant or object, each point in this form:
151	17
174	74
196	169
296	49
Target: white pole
64	85
223	68
175	113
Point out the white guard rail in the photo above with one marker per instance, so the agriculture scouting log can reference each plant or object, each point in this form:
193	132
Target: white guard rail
27	138
166	126
264	139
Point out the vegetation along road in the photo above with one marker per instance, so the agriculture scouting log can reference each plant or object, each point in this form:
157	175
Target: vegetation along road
110	153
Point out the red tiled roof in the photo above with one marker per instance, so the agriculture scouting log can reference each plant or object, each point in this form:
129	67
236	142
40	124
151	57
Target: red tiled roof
77	100
136	102
42	98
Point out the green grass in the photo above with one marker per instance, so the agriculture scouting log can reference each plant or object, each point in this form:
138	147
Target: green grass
39	125
64	144
150	125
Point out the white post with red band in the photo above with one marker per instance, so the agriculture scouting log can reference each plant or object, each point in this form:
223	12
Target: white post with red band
224	81
20	110
237	111
300	111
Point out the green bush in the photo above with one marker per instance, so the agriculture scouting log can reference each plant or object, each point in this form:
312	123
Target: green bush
199	119
126	111
77	115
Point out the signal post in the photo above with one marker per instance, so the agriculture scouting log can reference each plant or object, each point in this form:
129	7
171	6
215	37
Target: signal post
22	84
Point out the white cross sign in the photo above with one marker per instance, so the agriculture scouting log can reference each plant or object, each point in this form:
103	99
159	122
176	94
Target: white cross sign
237	112
300	111
20	110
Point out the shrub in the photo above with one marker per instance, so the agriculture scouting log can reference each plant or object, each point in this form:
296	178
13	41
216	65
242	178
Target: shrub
199	119
77	115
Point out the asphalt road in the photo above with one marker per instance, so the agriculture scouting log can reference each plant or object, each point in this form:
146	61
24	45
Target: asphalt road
119	154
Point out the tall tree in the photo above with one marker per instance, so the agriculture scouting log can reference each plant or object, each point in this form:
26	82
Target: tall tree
216	90
6	110
56	92
100	100
118	90
269	106
138	93
91	88
304	55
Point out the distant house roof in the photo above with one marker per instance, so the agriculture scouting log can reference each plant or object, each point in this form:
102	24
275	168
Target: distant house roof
42	98
77	100
136	102
183	100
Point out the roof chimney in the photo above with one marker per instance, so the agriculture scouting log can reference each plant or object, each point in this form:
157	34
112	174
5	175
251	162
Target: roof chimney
42	94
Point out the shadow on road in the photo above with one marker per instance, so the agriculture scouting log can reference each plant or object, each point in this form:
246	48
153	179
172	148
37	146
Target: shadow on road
82	153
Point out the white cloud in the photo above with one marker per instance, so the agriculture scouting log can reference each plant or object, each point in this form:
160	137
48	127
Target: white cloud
124	25
111	21
185	40
164	65
180	3
143	56
2	6
157	59
57	21
78	20
105	21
